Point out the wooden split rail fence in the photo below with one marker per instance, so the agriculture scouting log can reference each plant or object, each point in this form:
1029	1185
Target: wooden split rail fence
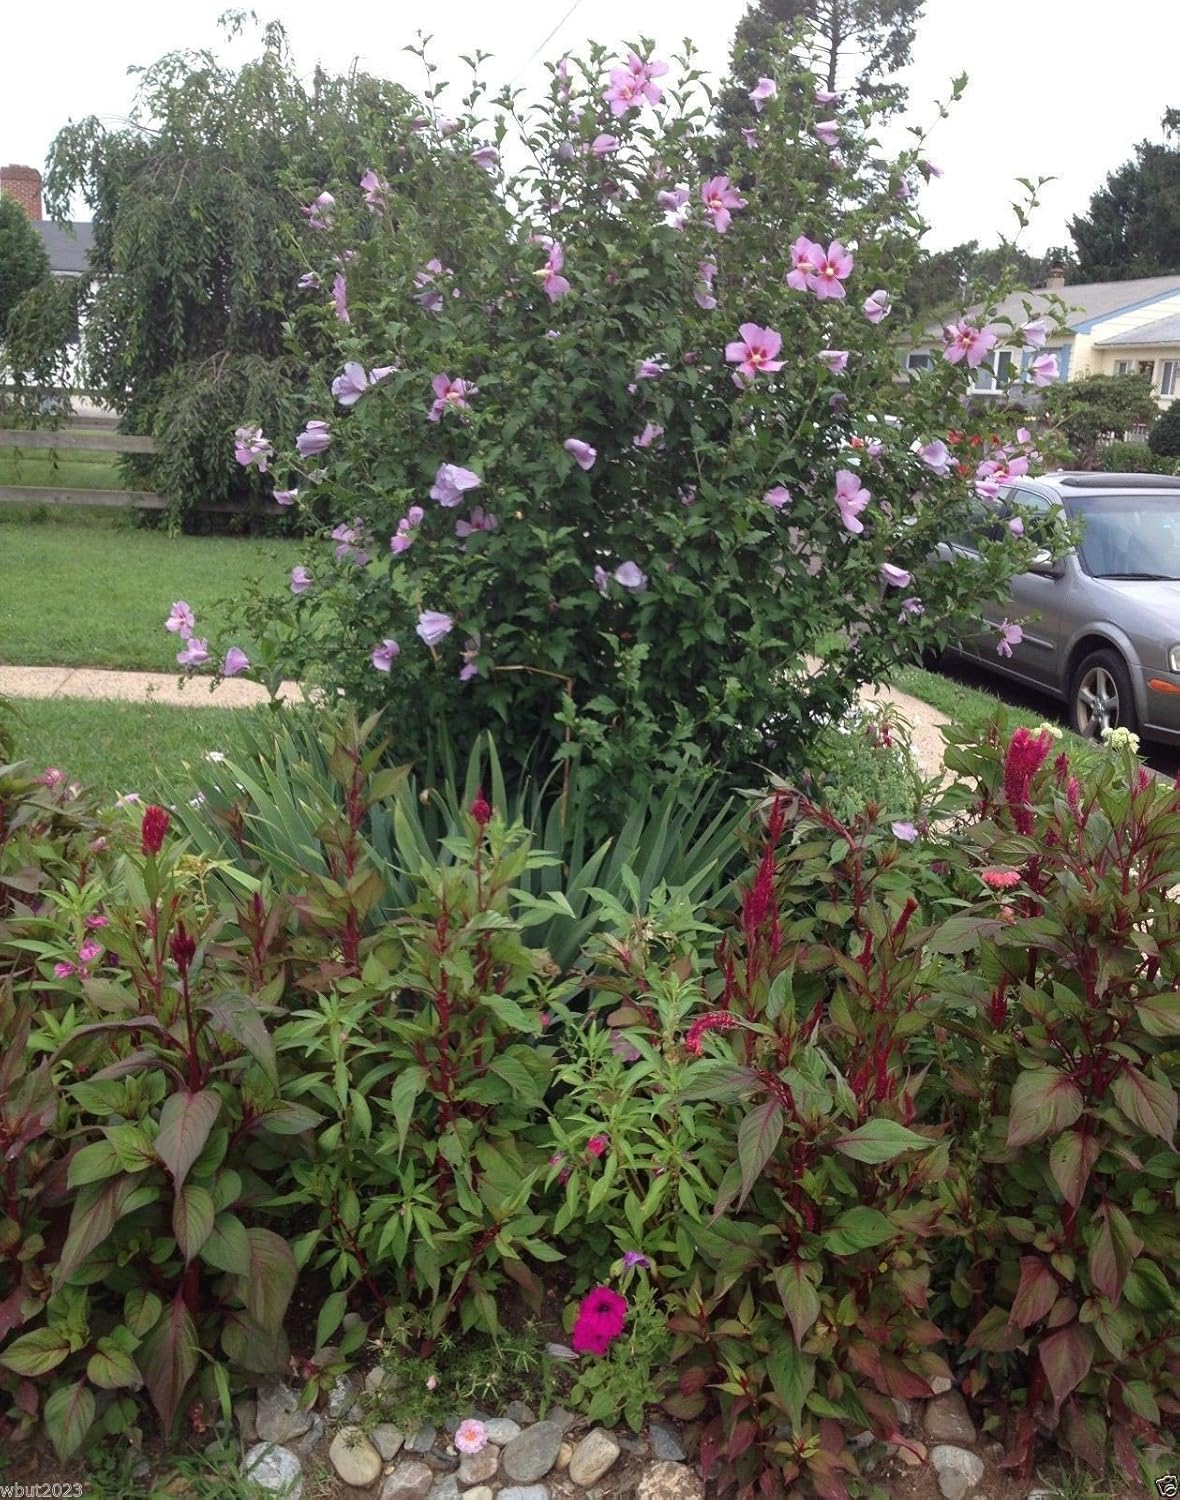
71	440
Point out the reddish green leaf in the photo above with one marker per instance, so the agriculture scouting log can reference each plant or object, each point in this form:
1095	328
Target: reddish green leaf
1044	1101
758	1135
857	1229
36	1353
1159	1015
1112	1252
271	1279
141	1310
168	1359
1036	1293
880	1140
69	1415
185	1122
112	1369
1065	1357
1071	1160
1139	1399
1084	1433
800	1298
792	1375
228	1246
192	1218
994	1333
1150	1104
97	1209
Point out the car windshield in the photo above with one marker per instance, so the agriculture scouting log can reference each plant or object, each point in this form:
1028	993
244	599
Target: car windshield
1130	536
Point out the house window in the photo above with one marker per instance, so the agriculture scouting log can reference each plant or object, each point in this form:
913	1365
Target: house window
1169	377
991	377
1145	367
1124	367
918	361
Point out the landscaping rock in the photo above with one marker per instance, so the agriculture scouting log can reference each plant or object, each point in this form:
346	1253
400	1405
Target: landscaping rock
522	1415
531	1454
947	1419
445	1489
388	1440
564	1419
409	1481
940	1384
669	1481
525	1492
665	1443
481	1492
378	1378
501	1430
246	1416
905	1412
564	1454
275	1470
475	1468
354	1458
958	1470
422	1441
279	1416
340	1397
309	1442
593	1456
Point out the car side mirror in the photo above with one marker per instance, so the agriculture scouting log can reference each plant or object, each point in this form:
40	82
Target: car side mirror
1046	566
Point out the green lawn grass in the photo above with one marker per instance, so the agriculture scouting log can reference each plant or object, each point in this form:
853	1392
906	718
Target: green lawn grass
968	697
94	596
74	469
120	747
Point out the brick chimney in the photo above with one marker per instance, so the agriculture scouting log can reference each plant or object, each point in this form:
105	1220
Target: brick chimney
1055	280
23	184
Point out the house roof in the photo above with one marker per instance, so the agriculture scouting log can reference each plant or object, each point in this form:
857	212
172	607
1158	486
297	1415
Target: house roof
1164	331
1087	302
68	246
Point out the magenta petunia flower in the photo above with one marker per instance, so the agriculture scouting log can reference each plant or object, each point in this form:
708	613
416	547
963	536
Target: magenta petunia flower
451	483
340	296
895	577
777	498
315	438
486	157
234	662
805	263
937	456
63	971
633	1258
384	655
449	395
762	92
877	305
300	580
964	341
754	353
720	197
374	189
581	453
833	268
195	653
433	626
851	499
181	621
835	359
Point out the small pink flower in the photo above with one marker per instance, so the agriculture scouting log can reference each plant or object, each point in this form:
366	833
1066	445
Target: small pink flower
340	297
966	342
597	1144
828	132
1044	370
486	157
750	136
1016	526
481	520
1035	334
433	626
63	971
95	920
286	497
384	655
1010	635
181	621
234	662
581	453
449	395
762	92
471	1436
911	606
432	1382
904	831
604	145
754	353
851	499
826	96
195	653
877	305
937	456
833	269
704	293
300	580
805	262
650	434
720	197
999	877
835	359
374	190
895	577
451	482
555	285
631	576
777	498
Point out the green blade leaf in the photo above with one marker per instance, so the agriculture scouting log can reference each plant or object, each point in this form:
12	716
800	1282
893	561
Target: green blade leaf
185	1122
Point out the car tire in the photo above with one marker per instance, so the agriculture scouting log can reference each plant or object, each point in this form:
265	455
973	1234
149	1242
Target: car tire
1100	695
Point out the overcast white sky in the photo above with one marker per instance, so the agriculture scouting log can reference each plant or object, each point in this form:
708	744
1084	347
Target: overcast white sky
1058	87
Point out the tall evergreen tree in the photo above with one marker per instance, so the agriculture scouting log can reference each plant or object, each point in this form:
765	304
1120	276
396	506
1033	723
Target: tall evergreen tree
1133	225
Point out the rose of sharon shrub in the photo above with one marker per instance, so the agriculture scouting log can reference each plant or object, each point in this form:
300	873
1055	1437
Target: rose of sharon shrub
607	462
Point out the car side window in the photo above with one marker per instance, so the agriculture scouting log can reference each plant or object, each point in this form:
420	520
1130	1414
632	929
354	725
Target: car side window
981	523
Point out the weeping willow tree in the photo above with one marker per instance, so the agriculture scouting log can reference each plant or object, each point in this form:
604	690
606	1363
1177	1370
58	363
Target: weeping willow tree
200	246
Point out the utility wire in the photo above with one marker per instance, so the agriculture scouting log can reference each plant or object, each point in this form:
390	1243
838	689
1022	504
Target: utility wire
542	45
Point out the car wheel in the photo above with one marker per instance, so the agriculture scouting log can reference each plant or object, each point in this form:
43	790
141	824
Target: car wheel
1100	695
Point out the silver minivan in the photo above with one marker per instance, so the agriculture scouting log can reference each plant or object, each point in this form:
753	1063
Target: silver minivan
1102	624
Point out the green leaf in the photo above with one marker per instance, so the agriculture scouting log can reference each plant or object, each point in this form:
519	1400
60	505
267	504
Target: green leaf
185	1122
1044	1102
758	1136
271	1278
880	1140
1149	1104
1140	1400
68	1417
36	1353
799	1296
1036	1294
1159	1015
1071	1160
792	1375
192	1218
168	1359
408	1085
112	1369
238	1017
228	1247
857	1229
141	1310
1065	1357
93	1163
98	1208
286	1119
331	1314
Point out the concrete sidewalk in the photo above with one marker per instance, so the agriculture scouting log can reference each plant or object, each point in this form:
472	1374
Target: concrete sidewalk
136	687
164	687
